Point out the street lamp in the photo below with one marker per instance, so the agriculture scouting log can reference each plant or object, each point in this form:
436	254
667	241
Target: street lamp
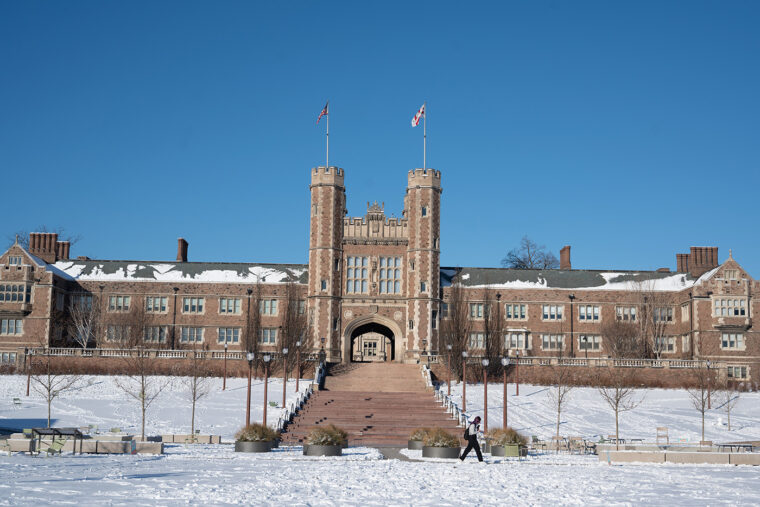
224	380
29	370
709	401
484	362
505	364
448	366
249	356
464	381
266	359
284	374
585	345
298	363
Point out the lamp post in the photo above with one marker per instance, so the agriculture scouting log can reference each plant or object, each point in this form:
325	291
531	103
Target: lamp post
484	362
709	402
448	367
505	364
517	373
224	379
464	381
284	374
29	371
571	297
298	363
266	359
249	356
585	345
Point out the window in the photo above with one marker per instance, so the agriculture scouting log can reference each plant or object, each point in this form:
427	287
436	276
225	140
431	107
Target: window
268	307
732	341
229	306
11	326
369	349
268	336
737	372
663	314
60	301
444	310
685	312
685	343
191	335
357	275
665	344
15	293
477	341
552	341
118	303
83	301
625	313
423	286
588	313
14	260
476	310
117	333
8	357
729	274
192	305
335	324
411	324
515	312
155	334
552	312
155	304
314	210
390	275
729	307
301	307
516	340
229	335
336	264
434	319
323	284
424	211
589	342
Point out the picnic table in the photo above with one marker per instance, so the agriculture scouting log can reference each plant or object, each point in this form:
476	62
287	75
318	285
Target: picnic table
59	433
738	447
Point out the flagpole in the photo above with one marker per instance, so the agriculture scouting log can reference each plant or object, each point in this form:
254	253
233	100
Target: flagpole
424	136
327	154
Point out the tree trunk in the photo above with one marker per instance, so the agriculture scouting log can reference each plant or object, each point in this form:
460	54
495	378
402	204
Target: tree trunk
559	412
703	424
617	430
142	407
728	413
192	420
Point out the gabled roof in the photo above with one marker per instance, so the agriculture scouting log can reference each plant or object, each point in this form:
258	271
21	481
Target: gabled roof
199	272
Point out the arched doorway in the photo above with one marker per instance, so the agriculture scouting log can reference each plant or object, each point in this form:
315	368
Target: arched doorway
371	339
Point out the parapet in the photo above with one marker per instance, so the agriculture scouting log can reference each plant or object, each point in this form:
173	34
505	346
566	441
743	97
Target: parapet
327	176
424	177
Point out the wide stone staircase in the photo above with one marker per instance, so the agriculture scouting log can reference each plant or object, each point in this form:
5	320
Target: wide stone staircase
378	404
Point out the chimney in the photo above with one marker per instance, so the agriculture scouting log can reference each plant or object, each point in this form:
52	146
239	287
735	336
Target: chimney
62	250
682	263
564	258
44	245
181	250
702	259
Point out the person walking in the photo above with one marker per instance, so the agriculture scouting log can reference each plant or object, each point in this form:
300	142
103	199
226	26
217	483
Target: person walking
471	434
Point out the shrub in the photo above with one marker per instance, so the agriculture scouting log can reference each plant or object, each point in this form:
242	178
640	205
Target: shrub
419	434
438	437
506	436
327	435
257	433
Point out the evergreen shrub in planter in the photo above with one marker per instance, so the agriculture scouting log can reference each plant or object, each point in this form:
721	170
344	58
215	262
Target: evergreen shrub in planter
325	441
416	438
438	443
255	438
507	442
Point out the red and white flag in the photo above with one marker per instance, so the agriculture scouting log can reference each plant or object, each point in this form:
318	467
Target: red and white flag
418	115
324	112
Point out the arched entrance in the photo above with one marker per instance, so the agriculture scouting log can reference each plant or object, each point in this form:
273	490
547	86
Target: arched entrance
371	339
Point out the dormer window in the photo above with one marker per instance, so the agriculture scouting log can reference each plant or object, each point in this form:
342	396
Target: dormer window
14	260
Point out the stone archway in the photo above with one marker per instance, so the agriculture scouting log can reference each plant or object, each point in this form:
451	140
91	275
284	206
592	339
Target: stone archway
371	338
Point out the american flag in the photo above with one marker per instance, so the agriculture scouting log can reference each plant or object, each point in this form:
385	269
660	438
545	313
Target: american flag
420	114
324	112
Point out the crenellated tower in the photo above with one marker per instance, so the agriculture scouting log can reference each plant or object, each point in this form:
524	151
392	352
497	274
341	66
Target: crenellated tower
422	209
328	206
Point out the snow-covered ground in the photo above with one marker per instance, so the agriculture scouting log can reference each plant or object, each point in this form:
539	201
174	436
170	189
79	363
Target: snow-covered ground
99	401
586	414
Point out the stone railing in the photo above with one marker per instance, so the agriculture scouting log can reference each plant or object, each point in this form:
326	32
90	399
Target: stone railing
156	353
594	362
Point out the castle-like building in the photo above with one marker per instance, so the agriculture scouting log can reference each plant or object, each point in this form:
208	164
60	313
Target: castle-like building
373	289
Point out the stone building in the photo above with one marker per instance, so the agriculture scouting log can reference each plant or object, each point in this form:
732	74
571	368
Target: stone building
374	290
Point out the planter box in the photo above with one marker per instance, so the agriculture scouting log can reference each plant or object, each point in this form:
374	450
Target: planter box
253	446
509	451
440	452
415	445
322	450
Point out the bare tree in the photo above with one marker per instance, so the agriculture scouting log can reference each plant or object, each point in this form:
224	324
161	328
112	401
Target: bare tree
49	382
197	380
655	314
294	324
559	393
23	236
84	323
493	330
700	393
250	342
728	397
456	325
622	339
615	385
133	332
530	255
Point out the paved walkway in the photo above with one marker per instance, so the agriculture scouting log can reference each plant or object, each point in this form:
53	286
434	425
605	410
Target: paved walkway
393	453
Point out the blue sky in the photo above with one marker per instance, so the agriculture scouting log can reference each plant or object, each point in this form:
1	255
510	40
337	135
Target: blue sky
627	130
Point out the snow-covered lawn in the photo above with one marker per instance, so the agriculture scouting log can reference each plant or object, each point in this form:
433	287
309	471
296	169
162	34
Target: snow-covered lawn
100	402
587	415
215	475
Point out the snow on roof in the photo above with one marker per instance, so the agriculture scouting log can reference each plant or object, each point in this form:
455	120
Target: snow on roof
201	272
498	278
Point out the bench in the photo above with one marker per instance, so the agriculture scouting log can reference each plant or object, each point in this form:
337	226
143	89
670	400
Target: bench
16	402
57	434
662	435
738	447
